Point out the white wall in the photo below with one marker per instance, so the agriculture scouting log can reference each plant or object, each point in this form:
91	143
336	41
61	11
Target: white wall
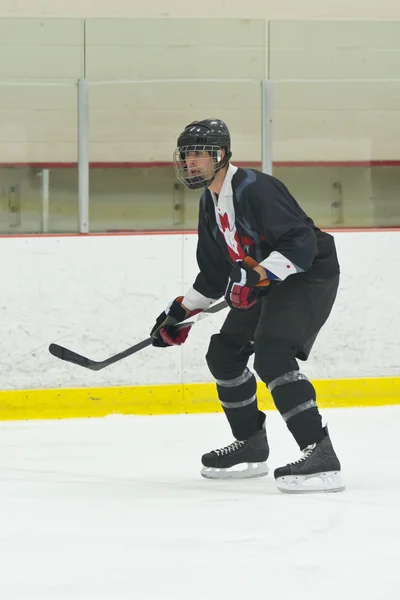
139	122
272	9
98	295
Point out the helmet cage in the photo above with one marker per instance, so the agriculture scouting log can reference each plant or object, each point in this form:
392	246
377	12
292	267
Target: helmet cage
199	180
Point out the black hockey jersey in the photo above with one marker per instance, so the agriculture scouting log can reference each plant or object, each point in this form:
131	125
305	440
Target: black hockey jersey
256	215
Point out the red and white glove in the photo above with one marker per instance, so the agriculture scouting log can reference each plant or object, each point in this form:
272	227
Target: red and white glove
240	291
164	332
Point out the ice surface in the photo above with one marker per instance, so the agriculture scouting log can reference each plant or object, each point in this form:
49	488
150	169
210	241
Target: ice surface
115	509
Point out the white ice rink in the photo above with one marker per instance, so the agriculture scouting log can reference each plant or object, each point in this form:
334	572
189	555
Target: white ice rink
115	509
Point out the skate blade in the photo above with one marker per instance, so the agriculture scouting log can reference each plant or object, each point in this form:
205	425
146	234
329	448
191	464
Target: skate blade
243	471
330	481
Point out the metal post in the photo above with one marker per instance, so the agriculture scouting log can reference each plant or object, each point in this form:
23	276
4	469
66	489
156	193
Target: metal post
178	203
83	155
266	125
45	185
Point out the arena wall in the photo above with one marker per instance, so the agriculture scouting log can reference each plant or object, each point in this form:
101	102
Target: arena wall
101	294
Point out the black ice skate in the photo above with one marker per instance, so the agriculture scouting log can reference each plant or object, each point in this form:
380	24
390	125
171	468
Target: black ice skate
239	460
318	470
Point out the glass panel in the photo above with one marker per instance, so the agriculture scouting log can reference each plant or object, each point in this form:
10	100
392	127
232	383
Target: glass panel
137	124
334	49
337	147
38	124
38	130
337	118
142	93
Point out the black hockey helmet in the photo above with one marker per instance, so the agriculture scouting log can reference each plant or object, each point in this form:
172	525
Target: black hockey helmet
209	135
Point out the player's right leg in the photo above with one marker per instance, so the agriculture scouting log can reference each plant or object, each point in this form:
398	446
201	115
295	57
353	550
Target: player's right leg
227	359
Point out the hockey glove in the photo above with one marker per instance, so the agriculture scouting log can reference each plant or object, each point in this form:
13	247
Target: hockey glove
164	332
240	291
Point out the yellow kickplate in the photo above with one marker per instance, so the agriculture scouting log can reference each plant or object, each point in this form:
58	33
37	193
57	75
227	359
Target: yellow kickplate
175	399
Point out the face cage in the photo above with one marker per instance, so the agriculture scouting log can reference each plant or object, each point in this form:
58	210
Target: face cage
196	182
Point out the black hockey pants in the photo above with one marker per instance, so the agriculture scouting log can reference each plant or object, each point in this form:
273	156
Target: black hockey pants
279	329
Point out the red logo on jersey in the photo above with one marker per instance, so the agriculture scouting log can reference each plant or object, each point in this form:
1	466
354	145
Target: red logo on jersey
231	238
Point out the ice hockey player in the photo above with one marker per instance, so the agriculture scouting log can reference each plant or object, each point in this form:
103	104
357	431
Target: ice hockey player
279	274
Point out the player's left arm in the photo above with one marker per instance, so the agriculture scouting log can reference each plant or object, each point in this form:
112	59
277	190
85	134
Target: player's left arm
283	225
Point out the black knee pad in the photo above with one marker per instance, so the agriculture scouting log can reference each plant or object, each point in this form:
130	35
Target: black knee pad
225	357
273	358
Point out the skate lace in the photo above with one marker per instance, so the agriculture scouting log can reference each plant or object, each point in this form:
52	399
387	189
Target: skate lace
306	453
231	448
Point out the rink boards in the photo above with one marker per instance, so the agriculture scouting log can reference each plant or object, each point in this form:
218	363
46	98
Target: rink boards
98	295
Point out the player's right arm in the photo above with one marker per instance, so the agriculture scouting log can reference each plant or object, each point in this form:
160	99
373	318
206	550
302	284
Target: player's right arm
208	286
212	279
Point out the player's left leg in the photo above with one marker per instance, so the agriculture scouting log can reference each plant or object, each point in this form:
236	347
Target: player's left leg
291	318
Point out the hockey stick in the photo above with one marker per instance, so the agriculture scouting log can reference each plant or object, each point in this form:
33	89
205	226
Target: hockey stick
93	365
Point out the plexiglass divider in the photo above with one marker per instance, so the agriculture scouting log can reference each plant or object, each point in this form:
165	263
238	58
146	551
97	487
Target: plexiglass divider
134	126
335	144
38	125
326	123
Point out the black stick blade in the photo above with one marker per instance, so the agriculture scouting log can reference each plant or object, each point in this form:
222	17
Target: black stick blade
70	356
94	365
